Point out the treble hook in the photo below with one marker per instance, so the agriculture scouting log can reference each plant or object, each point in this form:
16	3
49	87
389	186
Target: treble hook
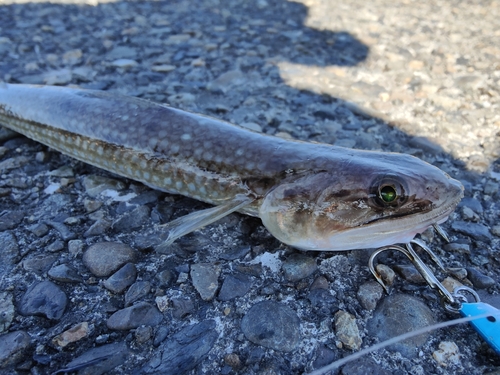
446	297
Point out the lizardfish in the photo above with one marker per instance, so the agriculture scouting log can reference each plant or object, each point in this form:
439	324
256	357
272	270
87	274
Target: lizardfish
311	196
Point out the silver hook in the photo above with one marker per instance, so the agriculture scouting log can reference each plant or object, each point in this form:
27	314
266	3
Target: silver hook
446	297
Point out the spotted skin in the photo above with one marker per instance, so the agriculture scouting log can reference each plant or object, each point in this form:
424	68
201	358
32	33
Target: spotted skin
307	194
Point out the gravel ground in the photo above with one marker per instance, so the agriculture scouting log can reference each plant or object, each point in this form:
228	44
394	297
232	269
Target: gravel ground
86	288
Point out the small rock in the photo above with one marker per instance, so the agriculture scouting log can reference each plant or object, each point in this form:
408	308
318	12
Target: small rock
237	252
132	220
205	278
369	294
45	299
55	246
163	68
64	274
63	230
98	361
461	248
409	273
121	279
182	306
234	286
233	360
75	247
478	279
447	354
137	291
95	185
13	348
10	220
161	303
347	330
477	231
319	283
386	273
39	264
184	350
364	366
324	356
398	314
39	230
135	316
298	266
104	258
6	311
124	63
75	333
143	334
9	250
450	284
496	230
322	302
491	188
227	80
272	325
99	227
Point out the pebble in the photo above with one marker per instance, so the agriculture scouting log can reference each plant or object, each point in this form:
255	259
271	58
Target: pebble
205	277
63	230
234	286
162	302
142	313
74	334
322	302
121	279
39	230
104	258
99	227
369	294
409	273
298	266
386	273
479	232
9	252
99	360
398	314
447	354
11	219
124	63
39	264
95	185
478	279
132	220
13	347
184	350
137	291
44	299
6	311
65	274
346	330
55	246
272	325
462	248
364	366
143	334
182	307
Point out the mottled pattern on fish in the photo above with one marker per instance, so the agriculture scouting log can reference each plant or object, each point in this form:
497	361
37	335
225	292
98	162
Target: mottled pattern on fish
306	193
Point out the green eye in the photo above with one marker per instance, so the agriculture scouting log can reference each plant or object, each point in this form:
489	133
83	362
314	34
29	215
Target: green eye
388	194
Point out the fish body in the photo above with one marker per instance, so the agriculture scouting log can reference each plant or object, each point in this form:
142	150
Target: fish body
311	196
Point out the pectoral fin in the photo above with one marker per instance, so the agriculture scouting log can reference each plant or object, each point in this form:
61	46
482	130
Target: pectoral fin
198	219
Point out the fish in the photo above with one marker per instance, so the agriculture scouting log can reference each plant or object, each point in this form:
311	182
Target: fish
310	196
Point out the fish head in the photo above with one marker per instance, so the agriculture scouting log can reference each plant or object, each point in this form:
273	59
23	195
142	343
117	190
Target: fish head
364	200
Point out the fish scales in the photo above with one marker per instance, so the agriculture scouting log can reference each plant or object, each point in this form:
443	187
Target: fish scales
309	195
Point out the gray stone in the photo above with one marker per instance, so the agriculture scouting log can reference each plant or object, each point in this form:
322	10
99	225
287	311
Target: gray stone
95	185
132	220
364	366
477	231
234	286
184	350
121	279
409	273
346	330
13	348
63	230
205	278
99	227
298	266
182	306
478	279
6	311
39	264
369	294
104	258
44	299
9	250
137	291
398	314
65	274
98	361
272	325
11	219
141	313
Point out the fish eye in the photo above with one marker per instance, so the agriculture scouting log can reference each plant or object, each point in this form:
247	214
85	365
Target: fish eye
388	193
